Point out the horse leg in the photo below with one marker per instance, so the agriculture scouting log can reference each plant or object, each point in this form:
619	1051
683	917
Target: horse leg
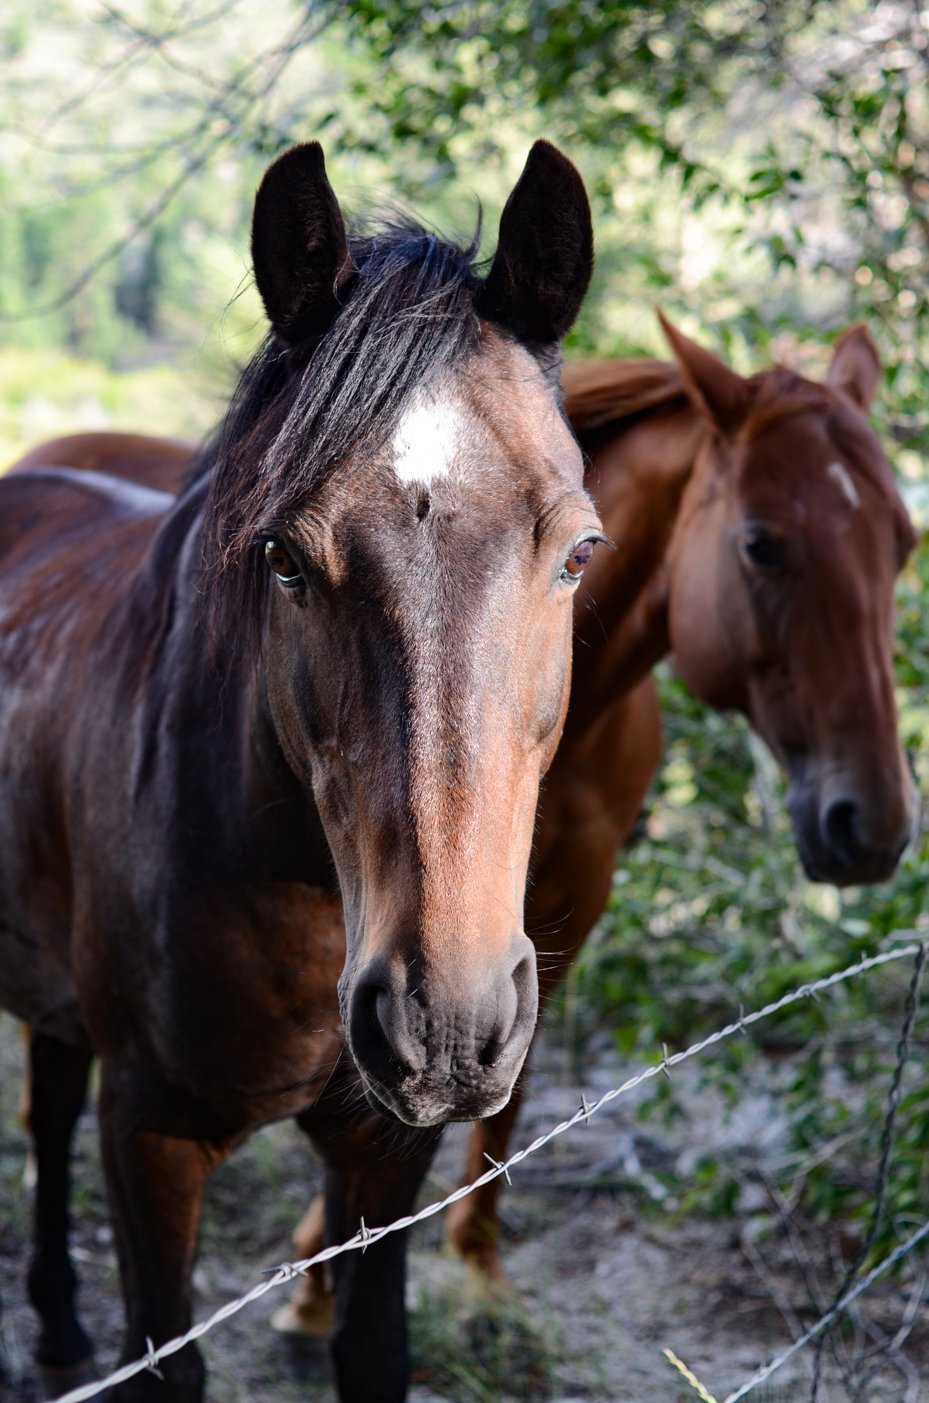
155	1184
592	796
310	1310
472	1222
373	1171
58	1089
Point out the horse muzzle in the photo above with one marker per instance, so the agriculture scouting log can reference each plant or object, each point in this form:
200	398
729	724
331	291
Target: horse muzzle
444	1047
848	837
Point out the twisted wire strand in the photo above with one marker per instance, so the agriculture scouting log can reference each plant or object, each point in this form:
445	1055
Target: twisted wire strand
366	1237
765	1373
883	1170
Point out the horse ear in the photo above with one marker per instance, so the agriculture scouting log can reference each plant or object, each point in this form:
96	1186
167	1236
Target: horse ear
722	395
299	249
545	252
855	368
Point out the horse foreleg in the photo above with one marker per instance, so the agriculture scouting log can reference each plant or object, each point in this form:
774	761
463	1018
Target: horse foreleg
374	1168
472	1222
155	1184
311	1309
58	1087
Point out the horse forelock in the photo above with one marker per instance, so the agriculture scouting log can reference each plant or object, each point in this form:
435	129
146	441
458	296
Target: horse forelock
781	394
299	411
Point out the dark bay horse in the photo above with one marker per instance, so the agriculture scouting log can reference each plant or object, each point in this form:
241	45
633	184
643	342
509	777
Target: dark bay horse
326	677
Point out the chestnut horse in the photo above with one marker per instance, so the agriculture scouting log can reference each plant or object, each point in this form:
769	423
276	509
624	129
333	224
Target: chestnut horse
327	677
760	533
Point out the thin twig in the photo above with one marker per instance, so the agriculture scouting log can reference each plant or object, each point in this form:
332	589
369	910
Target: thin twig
765	1373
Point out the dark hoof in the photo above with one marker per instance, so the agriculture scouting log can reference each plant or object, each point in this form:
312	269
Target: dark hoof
305	1359
55	1382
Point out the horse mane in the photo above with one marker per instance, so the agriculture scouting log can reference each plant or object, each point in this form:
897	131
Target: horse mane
598	393
606	393
298	411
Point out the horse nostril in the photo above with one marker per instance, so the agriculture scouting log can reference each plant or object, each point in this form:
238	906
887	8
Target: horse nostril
840	829
517	1013
379	1040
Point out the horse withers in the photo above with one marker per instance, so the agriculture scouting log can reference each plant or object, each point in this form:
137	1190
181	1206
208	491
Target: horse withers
329	675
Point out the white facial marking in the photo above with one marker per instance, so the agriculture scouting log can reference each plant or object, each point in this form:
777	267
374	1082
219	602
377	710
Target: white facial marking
840	474
426	441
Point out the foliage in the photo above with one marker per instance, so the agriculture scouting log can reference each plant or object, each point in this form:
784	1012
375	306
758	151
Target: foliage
761	169
46	392
748	161
601	74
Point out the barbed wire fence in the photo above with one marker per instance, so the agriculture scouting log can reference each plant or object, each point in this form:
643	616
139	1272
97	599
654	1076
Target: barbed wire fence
852	1287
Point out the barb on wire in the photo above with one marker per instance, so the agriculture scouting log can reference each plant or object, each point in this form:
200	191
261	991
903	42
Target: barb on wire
887	1142
289	1270
499	1165
151	1358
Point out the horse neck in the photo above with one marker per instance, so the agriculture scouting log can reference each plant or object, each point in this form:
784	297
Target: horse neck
224	778
637	477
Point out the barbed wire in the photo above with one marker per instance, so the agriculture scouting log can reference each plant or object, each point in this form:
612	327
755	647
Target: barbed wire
845	1294
883	1170
366	1237
765	1372
768	1369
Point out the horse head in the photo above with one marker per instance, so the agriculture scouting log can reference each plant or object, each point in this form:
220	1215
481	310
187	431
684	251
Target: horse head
783	563
410	521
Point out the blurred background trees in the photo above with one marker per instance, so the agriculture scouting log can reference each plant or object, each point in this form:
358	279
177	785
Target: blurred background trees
761	169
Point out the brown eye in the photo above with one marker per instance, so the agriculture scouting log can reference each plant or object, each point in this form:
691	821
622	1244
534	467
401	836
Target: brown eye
283	565
578	560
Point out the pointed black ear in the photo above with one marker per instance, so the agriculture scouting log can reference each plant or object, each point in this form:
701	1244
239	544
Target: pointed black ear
545	254
299	249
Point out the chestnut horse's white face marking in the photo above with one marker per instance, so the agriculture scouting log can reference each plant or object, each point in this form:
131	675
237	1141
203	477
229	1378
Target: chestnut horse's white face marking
426	440
840	474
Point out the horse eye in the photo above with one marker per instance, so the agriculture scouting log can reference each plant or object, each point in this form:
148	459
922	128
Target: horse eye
577	561
761	549
283	564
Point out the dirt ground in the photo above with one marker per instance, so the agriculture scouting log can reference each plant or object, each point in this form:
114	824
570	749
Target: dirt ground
606	1272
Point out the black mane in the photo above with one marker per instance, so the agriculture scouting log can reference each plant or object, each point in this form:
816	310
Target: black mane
298	411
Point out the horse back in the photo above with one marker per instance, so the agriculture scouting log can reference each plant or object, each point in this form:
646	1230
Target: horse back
160	463
69	544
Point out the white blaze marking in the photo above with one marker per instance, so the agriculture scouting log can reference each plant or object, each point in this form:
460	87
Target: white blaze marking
426	441
840	474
